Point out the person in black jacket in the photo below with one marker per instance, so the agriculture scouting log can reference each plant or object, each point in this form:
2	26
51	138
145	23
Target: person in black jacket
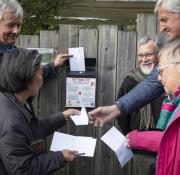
145	118
22	134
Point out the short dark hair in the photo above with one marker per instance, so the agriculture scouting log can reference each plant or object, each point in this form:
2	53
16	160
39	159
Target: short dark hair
18	68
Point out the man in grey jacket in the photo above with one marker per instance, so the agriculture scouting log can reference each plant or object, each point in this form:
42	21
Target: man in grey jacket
168	14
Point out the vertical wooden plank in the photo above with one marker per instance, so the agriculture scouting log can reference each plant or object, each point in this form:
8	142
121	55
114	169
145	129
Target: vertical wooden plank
48	100
126	56
107	50
126	60
68	37
49	92
88	38
146	24
30	41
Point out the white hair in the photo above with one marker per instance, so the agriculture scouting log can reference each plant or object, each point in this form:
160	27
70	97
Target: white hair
173	51
145	39
170	5
12	5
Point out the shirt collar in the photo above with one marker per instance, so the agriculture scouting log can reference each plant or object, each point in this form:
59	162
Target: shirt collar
6	48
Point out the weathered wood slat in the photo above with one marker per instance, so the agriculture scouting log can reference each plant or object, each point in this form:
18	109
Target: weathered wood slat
107	49
49	102
69	37
88	38
108	9
115	5
146	24
126	56
126	60
29	41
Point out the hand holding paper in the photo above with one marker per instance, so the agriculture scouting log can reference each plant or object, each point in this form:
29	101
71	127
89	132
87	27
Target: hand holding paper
60	59
81	119
118	143
69	155
70	112
80	144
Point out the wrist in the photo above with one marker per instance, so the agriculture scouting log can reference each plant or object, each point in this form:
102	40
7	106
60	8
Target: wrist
65	116
116	110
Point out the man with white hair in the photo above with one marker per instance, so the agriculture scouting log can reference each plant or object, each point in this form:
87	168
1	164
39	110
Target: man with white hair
168	14
145	118
147	59
11	16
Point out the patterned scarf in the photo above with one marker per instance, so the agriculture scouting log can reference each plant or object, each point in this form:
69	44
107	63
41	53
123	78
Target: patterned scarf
146	115
168	107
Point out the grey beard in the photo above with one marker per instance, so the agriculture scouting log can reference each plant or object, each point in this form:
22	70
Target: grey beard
146	71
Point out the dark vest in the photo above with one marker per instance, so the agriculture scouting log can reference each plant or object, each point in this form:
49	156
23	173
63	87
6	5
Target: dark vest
2	169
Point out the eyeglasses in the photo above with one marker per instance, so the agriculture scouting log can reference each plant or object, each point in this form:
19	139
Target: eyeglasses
148	55
161	68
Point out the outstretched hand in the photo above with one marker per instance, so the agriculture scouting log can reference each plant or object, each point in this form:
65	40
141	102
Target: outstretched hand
69	112
104	114
60	59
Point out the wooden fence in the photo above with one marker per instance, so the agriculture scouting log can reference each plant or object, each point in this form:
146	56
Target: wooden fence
115	53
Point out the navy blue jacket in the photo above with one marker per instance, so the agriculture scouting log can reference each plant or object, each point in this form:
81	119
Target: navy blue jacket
142	94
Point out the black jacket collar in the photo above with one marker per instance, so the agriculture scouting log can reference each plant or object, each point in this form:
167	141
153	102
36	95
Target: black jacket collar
28	112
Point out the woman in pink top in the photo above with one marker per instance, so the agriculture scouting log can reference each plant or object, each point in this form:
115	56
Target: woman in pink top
167	142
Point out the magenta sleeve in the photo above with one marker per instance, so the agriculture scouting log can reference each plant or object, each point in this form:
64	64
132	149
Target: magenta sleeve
145	140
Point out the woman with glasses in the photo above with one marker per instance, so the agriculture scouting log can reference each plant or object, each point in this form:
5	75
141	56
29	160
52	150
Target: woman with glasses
22	134
167	141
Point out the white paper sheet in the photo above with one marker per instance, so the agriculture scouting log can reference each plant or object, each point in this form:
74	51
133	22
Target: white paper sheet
77	62
85	145
62	141
124	154
81	119
118	143
81	144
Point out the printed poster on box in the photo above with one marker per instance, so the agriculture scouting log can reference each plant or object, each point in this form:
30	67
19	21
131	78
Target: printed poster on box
80	91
